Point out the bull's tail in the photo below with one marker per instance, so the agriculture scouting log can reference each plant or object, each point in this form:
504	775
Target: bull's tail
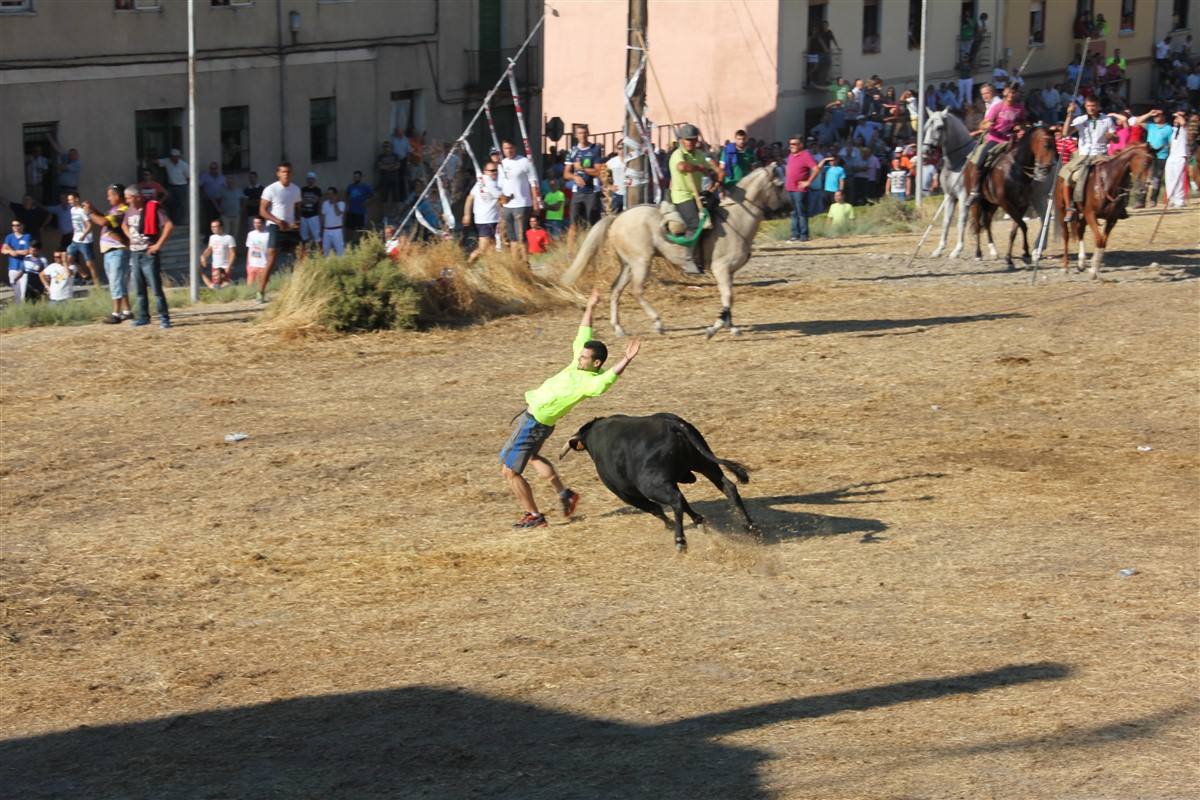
591	245
697	441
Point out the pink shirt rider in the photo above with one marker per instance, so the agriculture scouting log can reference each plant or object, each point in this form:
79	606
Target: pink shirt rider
799	167
1004	119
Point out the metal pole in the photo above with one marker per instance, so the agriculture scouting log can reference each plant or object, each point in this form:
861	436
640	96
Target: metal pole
921	111
636	194
282	81
193	189
936	214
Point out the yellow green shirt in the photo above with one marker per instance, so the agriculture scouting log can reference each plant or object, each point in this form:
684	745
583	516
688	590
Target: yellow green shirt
840	214
685	185
551	401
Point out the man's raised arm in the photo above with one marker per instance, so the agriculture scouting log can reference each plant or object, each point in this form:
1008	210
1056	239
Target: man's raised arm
592	302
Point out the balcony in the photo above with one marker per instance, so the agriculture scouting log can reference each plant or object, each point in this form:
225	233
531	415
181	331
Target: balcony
982	56
821	69
484	68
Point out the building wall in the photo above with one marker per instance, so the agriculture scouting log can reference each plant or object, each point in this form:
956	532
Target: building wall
715	61
357	51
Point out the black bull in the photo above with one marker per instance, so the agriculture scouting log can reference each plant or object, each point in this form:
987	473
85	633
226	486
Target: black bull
643	459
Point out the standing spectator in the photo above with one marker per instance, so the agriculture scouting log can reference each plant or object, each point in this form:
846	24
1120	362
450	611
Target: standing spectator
482	206
1162	58
981	32
899	179
310	212
536	237
1192	83
36	167
966	81
581	169
250	197
873	188
151	189
177	183
1158	138
212	183
33	264
257	243
230	204
31	215
391	178
840	212
519	189
114	250
69	170
823	43
333	215
556	203
16	247
58	279
835	180
1052	102
62	220
799	174
219	256
278	207
1000	76
81	235
147	227
616	173
357	195
737	160
1176	166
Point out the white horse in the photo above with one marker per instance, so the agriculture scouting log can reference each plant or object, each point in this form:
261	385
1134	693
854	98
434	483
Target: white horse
944	130
637	236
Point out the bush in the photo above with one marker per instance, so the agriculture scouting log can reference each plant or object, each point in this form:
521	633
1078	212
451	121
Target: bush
885	216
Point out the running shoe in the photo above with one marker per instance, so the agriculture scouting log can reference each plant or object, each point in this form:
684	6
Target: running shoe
531	521
569	500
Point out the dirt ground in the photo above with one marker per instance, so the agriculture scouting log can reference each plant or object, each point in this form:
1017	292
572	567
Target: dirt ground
952	468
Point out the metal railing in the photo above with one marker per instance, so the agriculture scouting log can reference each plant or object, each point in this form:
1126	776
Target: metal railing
610	141
821	69
484	66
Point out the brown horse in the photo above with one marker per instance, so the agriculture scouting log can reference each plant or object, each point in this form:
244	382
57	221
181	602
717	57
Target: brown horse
1009	186
1105	195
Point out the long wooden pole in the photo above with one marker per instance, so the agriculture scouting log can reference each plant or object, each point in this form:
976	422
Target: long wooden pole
636	193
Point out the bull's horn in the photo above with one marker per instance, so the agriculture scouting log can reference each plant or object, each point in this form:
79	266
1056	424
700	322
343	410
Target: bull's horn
566	449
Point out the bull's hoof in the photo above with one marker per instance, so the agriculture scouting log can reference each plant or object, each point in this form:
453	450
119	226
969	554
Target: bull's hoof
659	327
618	331
680	546
711	332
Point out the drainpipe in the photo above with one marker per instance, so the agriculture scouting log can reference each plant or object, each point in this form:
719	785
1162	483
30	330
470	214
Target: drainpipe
282	81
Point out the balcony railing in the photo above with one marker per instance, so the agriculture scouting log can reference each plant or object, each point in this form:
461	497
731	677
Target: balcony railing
979	50
821	69
484	67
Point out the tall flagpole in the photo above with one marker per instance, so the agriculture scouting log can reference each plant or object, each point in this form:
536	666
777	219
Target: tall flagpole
193	190
921	111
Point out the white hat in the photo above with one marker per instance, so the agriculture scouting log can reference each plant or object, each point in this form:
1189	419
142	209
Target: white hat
175	151
311	175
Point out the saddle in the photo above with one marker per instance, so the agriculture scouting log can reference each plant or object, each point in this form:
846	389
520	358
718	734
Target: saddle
995	154
674	225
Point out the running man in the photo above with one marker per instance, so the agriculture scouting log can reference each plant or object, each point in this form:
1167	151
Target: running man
550	402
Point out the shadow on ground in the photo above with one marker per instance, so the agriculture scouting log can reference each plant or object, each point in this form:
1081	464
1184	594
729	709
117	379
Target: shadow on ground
437	743
820	327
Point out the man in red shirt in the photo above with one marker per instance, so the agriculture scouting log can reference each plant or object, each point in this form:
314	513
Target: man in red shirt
801	170
536	237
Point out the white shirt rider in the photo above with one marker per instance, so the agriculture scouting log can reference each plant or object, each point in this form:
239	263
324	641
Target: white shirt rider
1093	133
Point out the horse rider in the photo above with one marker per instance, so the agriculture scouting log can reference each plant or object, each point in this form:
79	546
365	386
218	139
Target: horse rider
687	165
999	126
1095	130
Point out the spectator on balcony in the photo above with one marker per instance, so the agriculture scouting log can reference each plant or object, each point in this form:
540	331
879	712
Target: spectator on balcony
391	178
1083	25
981	31
36	167
822	42
966	36
1100	27
1162	56
1118	61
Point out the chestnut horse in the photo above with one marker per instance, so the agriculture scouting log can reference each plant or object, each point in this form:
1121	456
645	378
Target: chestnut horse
1009	185
1105	194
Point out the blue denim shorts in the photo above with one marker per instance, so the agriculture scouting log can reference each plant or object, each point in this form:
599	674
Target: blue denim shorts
84	251
527	439
116	267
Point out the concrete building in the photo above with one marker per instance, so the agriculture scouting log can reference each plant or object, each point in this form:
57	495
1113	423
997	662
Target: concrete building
730	65
319	82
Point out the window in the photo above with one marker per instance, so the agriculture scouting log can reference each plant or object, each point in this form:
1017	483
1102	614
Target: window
39	142
322	129
158	130
408	108
1037	22
1128	15
914	24
1179	15
235	139
870	26
231	3
16	6
136	5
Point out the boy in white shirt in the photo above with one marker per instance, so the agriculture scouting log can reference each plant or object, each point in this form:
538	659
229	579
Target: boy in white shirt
221	252
258	240
59	279
333	211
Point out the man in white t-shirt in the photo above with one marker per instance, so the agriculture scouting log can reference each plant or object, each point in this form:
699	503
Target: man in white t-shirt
219	255
616	171
177	183
333	212
279	206
59	279
1095	130
258	240
81	234
483	205
519	190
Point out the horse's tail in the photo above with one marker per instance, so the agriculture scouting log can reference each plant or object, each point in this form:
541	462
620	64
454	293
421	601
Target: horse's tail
592	244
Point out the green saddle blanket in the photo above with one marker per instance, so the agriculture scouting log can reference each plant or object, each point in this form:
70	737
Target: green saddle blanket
688	241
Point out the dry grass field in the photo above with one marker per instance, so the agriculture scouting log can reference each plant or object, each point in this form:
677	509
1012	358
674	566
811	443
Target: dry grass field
951	467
